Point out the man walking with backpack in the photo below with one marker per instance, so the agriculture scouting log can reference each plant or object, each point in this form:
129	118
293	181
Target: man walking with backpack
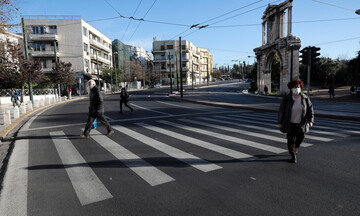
124	97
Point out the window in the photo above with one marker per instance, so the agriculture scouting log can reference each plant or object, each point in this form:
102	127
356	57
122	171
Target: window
162	47
42	47
53	29
84	31
163	57
86	48
38	29
106	56
183	56
169	47
44	64
36	46
183	64
183	47
86	63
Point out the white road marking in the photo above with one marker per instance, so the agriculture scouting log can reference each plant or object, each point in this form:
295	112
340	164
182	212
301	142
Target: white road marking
162	113
192	160
197	142
28	123
248	133
323	139
88	187
225	137
13	199
146	171
170	104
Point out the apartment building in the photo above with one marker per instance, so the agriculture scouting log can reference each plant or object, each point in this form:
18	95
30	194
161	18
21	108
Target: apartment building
196	62
68	39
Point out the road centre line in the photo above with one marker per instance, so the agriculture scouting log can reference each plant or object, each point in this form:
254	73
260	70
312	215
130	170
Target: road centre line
142	168
192	160
226	137
13	199
166	114
248	133
88	187
170	104
197	142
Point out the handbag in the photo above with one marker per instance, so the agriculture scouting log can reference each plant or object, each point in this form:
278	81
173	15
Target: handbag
94	126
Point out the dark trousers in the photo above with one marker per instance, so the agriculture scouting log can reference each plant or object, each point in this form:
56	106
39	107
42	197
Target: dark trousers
125	103
90	121
294	138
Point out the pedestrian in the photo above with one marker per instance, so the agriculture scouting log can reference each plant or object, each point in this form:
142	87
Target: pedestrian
332	91
295	117
124	99
70	92
266	90
15	97
96	110
352	90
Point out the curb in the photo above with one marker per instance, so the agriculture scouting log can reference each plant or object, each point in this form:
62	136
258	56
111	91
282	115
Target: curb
12	125
246	107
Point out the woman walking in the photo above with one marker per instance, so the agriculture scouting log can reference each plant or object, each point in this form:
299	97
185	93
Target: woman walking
296	116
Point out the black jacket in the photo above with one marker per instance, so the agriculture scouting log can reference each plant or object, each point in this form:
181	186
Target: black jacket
284	116
124	95
96	101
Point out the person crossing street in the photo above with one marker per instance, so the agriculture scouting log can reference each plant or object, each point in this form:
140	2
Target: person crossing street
96	110
124	99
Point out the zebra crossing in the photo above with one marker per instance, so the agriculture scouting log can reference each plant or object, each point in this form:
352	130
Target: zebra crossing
243	133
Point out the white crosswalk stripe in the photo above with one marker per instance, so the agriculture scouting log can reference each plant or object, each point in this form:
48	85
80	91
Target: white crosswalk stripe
225	137
192	160
150	174
245	132
87	185
207	145
324	139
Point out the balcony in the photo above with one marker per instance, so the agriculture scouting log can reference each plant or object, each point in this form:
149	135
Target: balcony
162	51
99	45
43	37
100	59
43	53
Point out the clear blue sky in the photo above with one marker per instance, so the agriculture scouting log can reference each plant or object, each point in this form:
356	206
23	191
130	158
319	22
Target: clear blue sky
226	43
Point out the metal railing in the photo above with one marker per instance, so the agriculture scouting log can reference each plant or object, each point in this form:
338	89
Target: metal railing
7	92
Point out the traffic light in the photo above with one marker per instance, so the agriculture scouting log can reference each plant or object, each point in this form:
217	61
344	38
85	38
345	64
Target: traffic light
304	56
315	54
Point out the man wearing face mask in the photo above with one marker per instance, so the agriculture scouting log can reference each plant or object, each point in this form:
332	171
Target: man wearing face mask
295	117
96	110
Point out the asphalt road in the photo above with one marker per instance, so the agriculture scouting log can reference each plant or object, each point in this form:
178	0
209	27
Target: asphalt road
170	157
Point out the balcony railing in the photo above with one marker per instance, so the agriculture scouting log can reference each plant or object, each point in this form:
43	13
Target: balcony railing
99	45
43	53
43	37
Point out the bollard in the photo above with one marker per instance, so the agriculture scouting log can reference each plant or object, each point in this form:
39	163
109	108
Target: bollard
16	112
22	109
30	106
7	117
36	104
42	103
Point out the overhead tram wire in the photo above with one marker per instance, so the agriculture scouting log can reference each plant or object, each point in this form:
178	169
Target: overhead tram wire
131	20
215	18
232	17
337	41
333	5
113	8
140	22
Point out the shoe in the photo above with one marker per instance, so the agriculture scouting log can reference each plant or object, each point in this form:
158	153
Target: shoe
293	158
84	136
297	151
110	132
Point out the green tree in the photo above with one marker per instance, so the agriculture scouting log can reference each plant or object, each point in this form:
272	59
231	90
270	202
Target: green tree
63	74
108	72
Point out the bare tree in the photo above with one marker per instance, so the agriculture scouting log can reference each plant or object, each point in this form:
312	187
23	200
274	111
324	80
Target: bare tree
136	71
7	11
63	74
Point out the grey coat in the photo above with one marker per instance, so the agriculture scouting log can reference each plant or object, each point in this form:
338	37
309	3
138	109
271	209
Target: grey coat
284	116
96	102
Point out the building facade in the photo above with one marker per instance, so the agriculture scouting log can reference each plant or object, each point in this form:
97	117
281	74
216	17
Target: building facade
68	39
121	55
196	62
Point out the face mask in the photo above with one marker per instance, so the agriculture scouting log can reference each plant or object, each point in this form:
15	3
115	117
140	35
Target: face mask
90	87
296	91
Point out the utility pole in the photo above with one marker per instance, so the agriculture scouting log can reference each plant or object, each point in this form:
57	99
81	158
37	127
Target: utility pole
192	75
27	57
181	82
207	70
56	63
309	72
114	71
177	74
170	75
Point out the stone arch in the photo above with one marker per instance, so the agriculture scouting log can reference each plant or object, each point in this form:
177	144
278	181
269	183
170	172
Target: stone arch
269	57
274	42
